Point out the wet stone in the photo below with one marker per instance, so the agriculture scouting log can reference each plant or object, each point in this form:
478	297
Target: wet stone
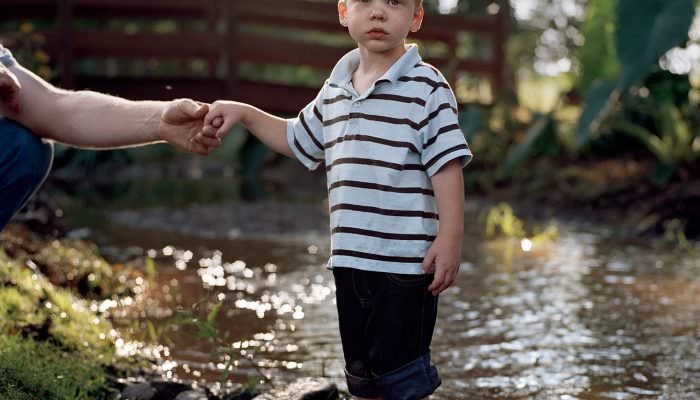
193	395
246	394
305	389
141	391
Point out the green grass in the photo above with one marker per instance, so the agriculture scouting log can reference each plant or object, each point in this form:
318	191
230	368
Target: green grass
51	345
39	370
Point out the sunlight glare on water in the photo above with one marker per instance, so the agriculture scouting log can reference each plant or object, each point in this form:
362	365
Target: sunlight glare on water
581	318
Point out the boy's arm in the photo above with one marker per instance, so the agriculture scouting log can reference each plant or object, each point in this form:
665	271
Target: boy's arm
445	252
270	129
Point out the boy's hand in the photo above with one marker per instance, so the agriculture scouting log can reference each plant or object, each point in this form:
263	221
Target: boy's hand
222	116
443	258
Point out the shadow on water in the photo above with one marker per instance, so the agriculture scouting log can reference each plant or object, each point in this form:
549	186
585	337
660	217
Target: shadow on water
586	317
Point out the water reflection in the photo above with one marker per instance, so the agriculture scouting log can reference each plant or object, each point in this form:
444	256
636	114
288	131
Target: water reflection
584	318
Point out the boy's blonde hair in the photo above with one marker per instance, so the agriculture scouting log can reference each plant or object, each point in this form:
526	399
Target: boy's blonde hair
419	3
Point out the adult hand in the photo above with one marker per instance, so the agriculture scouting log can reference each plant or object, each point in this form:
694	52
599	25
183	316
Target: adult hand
180	122
9	89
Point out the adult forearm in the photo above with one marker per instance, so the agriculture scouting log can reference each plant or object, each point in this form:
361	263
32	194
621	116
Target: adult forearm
84	118
89	119
270	129
448	185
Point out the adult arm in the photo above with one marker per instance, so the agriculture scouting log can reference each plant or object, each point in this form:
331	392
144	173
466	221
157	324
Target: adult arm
95	120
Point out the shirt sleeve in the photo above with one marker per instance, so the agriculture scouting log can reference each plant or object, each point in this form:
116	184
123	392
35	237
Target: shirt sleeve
443	140
6	58
305	133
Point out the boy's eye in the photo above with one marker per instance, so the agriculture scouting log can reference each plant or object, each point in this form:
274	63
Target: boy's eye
393	2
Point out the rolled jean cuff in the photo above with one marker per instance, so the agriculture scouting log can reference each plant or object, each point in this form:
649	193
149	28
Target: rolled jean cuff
361	387
413	381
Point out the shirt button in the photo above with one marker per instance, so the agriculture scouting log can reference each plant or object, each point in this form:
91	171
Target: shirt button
357	104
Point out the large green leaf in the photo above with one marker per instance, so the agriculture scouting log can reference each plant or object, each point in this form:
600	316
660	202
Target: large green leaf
599	100
598	56
646	30
541	138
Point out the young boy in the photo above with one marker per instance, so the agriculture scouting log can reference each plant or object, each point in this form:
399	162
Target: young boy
385	124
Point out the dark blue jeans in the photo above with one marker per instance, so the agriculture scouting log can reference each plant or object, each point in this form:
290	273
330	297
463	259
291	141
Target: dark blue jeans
386	326
25	162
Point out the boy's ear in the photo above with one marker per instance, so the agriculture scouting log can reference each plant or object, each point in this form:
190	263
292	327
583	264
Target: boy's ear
343	12
417	18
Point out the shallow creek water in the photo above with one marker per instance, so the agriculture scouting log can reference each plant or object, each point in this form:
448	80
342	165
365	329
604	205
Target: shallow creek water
586	317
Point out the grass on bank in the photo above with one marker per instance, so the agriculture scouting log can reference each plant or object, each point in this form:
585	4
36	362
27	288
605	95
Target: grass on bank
51	345
31	370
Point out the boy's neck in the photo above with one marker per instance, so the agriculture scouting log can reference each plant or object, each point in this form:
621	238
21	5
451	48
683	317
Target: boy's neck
374	64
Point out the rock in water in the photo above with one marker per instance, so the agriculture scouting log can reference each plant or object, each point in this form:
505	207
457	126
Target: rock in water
140	391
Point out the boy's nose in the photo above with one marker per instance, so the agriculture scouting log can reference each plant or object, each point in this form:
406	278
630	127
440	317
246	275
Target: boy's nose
377	13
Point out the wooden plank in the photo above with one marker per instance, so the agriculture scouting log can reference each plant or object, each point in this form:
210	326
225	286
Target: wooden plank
66	55
273	98
116	44
27	9
233	49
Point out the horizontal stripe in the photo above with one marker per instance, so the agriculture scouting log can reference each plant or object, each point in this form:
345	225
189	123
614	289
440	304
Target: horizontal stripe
378	257
394	97
336	99
302	151
366	138
376	163
389	120
381	188
435	85
448	128
444	153
381	235
308	131
379	118
383	211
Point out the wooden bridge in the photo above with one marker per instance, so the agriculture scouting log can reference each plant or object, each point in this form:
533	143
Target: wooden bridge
203	48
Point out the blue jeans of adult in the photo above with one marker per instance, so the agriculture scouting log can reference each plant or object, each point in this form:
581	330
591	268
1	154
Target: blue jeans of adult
25	162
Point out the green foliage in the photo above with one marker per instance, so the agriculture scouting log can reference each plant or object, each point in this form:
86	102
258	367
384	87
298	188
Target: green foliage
541	138
645	30
502	222
673	146
32	370
223	350
597	57
30	302
674	233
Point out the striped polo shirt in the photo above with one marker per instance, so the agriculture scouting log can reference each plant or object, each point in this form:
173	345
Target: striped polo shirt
380	150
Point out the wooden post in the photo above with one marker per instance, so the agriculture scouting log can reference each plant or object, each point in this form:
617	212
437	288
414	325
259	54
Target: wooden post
500	36
66	54
213	19
231	23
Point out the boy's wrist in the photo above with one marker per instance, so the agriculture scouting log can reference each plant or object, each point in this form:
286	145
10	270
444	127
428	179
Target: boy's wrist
451	233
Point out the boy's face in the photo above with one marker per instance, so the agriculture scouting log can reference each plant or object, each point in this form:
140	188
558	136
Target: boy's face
380	25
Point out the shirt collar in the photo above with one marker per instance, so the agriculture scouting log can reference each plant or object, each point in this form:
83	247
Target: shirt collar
6	57
343	70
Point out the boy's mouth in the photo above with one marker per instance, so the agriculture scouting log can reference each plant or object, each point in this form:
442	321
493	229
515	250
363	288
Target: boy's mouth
376	33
